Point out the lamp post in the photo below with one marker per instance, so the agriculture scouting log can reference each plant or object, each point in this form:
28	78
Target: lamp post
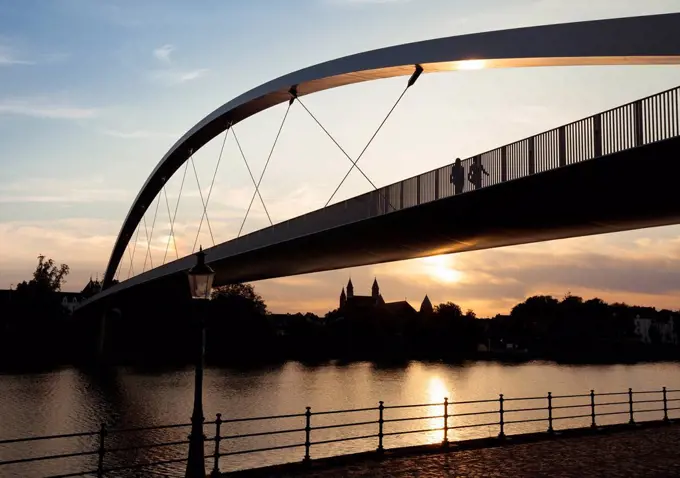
200	282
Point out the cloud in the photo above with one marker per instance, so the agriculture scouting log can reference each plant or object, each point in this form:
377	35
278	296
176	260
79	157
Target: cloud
170	77
50	190
40	108
83	243
163	53
8	58
138	134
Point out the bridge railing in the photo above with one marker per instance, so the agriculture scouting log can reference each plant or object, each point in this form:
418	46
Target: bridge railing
313	434
641	122
644	121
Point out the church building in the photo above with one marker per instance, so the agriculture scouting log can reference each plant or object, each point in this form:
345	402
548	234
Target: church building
351	302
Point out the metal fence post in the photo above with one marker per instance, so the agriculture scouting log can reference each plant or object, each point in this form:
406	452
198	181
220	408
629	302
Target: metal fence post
597	135
592	409
436	184
381	421
504	163
665	406
638	126
418	190
401	195
562	145
101	451
308	432
630	406
532	155
446	422
216	465
500	411
550	417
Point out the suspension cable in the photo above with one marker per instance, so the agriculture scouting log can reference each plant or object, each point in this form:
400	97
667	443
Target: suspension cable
382	194
251	175
120	266
153	225
146	233
336	143
354	163
134	249
412	80
172	231
172	219
212	183
257	186
200	193
130	256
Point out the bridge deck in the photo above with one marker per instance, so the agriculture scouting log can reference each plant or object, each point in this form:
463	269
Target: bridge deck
613	171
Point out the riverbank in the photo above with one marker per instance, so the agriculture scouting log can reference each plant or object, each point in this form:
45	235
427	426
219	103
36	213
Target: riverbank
649	450
21	367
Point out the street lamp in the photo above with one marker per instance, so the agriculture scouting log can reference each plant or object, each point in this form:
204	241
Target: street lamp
200	282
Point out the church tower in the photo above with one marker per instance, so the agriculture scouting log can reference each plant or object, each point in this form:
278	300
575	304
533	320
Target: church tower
343	298
426	306
375	289
350	289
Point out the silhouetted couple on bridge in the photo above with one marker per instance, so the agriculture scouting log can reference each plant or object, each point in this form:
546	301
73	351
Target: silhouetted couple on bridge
474	175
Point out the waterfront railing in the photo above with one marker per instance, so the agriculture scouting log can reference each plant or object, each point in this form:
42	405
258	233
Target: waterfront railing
123	452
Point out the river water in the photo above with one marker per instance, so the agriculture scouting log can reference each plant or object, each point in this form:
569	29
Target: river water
73	400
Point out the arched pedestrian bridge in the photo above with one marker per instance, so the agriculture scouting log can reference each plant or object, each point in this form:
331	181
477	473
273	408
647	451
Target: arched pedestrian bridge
613	171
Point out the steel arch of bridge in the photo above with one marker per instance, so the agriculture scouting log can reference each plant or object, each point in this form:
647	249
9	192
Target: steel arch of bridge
646	40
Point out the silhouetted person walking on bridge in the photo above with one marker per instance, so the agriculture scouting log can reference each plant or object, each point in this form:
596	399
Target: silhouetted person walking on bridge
457	176
476	171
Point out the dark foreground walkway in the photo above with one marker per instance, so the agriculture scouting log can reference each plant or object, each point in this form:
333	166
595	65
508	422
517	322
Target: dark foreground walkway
649	452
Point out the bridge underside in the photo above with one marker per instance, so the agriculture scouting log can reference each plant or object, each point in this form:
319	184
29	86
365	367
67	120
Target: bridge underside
633	189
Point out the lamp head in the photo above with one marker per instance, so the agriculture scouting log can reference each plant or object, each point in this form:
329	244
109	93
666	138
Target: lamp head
201	277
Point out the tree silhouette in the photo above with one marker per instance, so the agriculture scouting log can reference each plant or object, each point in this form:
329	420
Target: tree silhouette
448	310
541	307
37	321
47	277
242	296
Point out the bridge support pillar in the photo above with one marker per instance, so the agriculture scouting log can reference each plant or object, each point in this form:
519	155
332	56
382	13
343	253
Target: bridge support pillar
101	340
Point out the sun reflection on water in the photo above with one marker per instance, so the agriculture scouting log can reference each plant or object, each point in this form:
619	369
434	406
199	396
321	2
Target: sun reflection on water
436	392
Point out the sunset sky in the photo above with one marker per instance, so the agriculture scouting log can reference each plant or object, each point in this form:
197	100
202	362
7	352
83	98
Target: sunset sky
92	94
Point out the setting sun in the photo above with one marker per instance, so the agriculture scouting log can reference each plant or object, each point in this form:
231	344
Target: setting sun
440	269
471	64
